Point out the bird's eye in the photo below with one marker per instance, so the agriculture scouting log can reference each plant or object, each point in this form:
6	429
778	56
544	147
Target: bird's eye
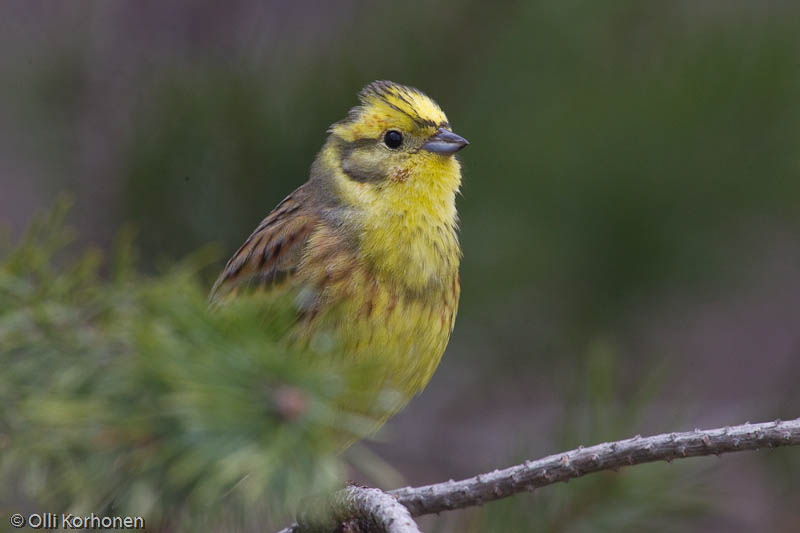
393	139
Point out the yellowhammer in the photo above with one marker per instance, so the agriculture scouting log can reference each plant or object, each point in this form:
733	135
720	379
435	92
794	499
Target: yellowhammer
368	244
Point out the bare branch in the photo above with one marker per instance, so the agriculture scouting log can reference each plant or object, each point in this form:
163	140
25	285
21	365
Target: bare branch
608	456
364	509
384	510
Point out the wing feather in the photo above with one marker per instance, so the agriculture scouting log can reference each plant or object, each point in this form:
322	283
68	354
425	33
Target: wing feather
273	251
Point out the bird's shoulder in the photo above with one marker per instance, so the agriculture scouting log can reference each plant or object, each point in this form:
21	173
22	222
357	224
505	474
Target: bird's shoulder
275	249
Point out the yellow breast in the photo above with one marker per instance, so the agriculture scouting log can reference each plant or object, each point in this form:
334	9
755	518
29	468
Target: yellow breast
394	315
376	315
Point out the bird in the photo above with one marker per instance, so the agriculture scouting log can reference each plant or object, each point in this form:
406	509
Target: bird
368	247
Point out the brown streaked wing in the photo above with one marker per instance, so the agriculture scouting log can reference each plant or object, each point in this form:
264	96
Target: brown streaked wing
273	251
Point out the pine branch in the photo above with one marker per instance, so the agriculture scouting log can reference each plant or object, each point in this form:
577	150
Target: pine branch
358	503
608	456
360	509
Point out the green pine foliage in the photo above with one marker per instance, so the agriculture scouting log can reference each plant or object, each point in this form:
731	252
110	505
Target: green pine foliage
126	393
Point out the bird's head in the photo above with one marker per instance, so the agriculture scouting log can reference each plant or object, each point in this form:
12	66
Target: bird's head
395	147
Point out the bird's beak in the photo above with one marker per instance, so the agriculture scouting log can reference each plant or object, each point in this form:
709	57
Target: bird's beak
445	142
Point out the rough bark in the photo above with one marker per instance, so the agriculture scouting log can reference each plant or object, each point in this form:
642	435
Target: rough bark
354	510
581	461
373	510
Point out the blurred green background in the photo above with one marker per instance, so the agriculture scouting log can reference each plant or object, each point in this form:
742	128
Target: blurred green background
630	216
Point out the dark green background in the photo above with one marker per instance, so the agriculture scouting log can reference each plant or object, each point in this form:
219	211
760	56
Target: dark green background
629	211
